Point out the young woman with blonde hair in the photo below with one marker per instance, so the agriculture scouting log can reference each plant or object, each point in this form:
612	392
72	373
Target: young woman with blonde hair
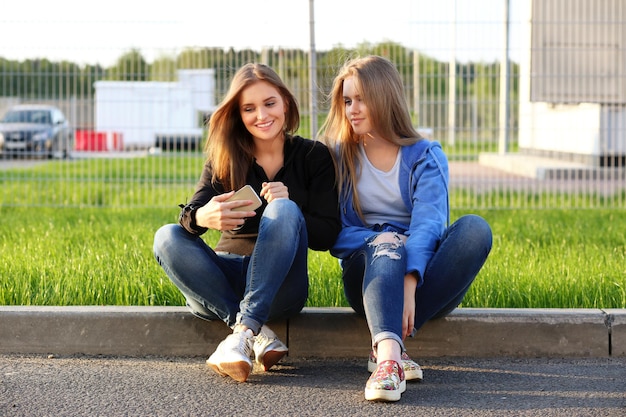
403	263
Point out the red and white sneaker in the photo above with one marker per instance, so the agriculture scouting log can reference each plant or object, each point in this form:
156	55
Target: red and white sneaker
412	370
387	383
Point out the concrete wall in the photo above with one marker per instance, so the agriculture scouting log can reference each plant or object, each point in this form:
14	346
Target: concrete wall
316	332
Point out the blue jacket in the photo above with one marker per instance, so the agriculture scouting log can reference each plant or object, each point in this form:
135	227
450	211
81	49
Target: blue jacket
424	187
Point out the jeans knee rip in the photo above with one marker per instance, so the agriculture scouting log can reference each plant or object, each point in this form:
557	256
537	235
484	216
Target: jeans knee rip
386	244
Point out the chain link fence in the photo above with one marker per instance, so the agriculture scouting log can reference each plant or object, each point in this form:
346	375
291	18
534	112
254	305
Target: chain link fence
529	105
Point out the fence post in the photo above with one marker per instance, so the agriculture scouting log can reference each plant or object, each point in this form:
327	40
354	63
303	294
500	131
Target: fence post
503	141
312	71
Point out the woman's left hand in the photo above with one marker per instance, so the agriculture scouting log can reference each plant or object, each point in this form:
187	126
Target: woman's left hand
271	191
408	316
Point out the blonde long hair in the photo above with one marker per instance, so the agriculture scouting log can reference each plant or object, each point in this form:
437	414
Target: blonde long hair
380	86
230	147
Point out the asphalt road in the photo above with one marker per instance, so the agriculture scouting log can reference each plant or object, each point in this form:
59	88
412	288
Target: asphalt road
103	386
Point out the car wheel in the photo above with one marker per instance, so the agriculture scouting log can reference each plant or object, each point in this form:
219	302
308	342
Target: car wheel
55	150
62	147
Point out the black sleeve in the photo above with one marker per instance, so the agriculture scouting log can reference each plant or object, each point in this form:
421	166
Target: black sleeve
205	191
320	207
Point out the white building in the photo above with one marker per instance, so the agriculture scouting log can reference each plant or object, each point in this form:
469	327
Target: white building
145	112
572	109
573	81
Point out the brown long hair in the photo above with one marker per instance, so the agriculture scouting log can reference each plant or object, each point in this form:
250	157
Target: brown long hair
230	147
380	86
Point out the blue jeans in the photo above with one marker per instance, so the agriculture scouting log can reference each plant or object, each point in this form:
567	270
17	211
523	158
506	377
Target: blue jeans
373	278
272	283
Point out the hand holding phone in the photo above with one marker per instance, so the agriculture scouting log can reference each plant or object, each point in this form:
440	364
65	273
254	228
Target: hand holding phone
246	193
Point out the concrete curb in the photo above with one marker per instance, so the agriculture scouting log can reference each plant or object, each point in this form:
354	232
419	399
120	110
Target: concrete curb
316	332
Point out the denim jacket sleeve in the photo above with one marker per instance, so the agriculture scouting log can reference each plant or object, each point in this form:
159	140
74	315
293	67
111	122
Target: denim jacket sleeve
424	186
428	187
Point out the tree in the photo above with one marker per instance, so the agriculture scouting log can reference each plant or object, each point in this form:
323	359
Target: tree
131	66
163	69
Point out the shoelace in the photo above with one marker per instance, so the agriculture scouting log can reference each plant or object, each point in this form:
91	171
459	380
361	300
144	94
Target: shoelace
262	337
245	345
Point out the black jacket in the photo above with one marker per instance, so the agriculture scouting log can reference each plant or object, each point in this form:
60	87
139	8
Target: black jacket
308	173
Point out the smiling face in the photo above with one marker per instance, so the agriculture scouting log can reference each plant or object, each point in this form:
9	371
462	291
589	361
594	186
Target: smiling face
356	109
262	110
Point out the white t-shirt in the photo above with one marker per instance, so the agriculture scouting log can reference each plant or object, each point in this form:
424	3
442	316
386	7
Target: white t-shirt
379	193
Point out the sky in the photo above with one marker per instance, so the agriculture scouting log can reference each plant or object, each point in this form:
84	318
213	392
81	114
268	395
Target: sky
99	32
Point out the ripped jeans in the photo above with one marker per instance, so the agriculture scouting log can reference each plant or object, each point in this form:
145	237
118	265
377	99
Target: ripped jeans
373	277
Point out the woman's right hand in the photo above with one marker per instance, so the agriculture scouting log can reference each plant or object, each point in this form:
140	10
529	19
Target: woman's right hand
218	213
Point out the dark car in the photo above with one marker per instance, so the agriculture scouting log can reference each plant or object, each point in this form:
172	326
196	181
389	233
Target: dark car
36	130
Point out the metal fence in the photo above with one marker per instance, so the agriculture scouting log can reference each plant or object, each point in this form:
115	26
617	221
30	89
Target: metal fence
528	101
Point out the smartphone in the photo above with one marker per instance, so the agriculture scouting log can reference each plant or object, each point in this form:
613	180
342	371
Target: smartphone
246	193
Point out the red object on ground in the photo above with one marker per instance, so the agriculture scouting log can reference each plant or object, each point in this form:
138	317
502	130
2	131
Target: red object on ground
90	140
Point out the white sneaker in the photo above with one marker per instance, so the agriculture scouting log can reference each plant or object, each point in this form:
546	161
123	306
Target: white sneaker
232	356
268	349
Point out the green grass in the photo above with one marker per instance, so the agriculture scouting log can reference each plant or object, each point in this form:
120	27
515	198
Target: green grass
80	233
103	256
554	259
128	182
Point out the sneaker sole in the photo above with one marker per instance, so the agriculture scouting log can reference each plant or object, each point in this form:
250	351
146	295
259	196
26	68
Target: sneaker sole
271	358
239	371
412	375
385	394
